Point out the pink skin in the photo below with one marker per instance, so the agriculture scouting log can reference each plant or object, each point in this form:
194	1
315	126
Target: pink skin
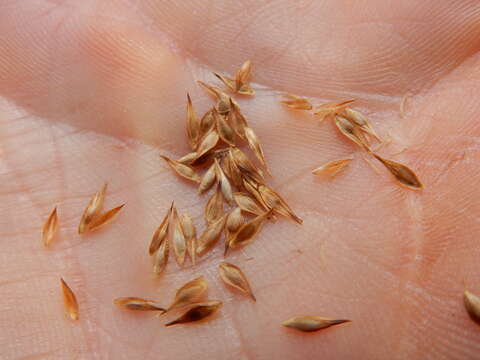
95	90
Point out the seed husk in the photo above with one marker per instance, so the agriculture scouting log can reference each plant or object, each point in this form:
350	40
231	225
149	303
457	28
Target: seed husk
105	217
138	304
190	233
178	238
211	235
161	233
233	172
234	221
69	300
255	145
296	102
208	179
223	103
93	208
193	125
160	259
404	175
245	166
331	108
472	305
198	312
274	201
311	323
182	170
207	122
247	232
233	276
242	79
189	293
189	158
50	228
333	168
351	131
237	120
248	204
214	207
224	183
224	130
362	121
228	82
208	143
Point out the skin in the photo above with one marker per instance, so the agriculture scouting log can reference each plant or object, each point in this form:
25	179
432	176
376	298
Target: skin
93	91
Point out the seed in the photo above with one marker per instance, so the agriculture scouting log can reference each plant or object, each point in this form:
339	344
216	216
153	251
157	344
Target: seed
208	143
248	204
50	228
160	258
275	201
208	179
210	236
214	207
238	121
362	121
311	323
138	304
92	210
193	125
160	233
233	276
472	304
242	79
189	293
351	131
69	300
199	312
105	217
331	108
245	166
190	236
224	130
233	171
234	221
189	158
207	122
255	145
223	103
178	239
224	183
404	175
248	231
332	168
183	170
297	102
228	82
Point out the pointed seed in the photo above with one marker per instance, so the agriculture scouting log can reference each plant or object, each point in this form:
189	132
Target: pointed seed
138	304
199	312
404	175
254	143
333	168
224	130
178	239
228	82
69	300
105	217
50	228
311	323
93	208
351	131
160	259
276	202
247	232
214	207
208	179
224	183
193	125
189	293
296	102
210	236
242	79
234	221
182	170
190	233
233	276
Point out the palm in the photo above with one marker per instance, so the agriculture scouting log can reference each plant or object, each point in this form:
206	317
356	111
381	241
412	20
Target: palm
93	90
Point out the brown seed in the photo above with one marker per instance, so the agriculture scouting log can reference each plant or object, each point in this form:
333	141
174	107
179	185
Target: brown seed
223	103
178	238
332	168
208	179
183	170
190	233
362	121
242	79
311	323
351	131
245	166
331	108
233	171
193	125
50	228
160	233
138	304
199	312
210	236
297	102
224	130
234	221
93	208
160	259
105	217
274	201
228	82
214	207
189	293
224	183
254	143
247	232
238	121
208	143
404	175
233	276
69	300
189	158
207	122
472	305
248	204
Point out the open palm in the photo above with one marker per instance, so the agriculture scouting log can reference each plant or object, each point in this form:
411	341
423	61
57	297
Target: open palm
92	91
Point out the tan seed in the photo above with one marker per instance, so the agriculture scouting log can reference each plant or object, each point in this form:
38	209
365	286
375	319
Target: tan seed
208	143
242	79
404	175
214	207
223	103
208	122
234	221
228	82
224	183
160	259
274	201
238	121
248	204
296	102
247	232
233	276
233	171
190	233
193	125
351	131
189	293
50	228
362	121
160	233
210	236
189	158
93	208
105	217
199	312
69	300
182	170
472	305
138	304
254	143
331	108
311	323
333	168
208	179
224	130
178	239
245	166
